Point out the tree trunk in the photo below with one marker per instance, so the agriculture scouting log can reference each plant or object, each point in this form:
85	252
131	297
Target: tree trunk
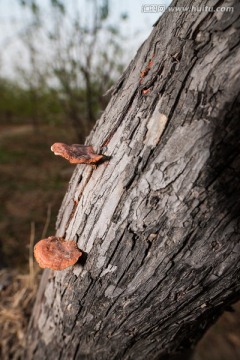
159	223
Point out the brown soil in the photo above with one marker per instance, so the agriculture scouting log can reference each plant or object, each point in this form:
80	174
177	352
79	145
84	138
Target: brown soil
32	181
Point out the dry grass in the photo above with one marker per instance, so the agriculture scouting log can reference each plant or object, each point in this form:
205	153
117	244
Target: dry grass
17	295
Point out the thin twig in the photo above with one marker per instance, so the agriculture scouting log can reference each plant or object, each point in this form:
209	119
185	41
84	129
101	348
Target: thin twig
45	229
31	242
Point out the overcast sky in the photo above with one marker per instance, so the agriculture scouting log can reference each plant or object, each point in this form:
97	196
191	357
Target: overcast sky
138	27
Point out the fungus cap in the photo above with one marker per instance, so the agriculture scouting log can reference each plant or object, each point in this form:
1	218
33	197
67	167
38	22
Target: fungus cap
56	253
76	153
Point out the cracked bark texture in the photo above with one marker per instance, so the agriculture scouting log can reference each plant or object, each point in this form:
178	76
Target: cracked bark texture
159	224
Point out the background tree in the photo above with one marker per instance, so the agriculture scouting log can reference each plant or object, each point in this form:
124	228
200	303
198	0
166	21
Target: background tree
83	60
159	224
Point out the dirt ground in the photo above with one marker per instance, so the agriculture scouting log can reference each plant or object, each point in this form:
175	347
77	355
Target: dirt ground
32	185
222	341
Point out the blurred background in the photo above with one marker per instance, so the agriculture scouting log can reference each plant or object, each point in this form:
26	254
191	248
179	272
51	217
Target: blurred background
58	59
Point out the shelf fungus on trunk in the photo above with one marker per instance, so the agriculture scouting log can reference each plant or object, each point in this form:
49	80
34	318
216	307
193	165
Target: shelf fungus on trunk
56	253
77	154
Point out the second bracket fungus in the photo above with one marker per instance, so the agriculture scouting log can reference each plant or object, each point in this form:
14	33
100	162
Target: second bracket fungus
56	253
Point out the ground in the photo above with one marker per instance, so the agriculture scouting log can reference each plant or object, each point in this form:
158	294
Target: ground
32	185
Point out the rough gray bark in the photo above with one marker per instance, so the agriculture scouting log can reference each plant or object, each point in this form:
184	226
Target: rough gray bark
159	224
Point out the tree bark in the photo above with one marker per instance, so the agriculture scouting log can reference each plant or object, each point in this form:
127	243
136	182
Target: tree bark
159	224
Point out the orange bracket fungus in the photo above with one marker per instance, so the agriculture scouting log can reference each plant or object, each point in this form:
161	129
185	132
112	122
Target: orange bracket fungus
56	253
77	154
